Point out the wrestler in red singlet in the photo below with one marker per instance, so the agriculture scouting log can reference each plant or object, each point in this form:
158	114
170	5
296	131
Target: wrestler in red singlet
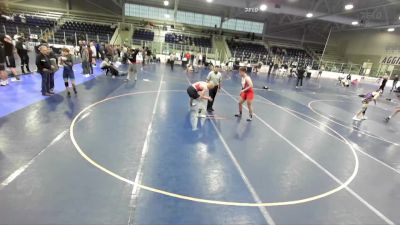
247	93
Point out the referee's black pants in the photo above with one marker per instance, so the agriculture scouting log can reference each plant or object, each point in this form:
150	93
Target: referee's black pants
212	93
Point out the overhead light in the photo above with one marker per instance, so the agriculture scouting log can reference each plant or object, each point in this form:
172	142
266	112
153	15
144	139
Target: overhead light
390	29
209	1
354	23
263	7
309	15
349	7
166	3
167	16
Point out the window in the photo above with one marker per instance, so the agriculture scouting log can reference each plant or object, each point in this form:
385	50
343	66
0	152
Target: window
243	25
198	19
180	17
167	14
143	11
189	18
239	25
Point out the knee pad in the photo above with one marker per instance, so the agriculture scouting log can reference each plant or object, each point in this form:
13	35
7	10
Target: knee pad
66	83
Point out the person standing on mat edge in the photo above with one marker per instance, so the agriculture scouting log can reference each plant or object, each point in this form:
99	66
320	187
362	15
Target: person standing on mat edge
22	51
44	68
132	68
3	73
247	93
9	53
172	60
300	75
383	84
215	78
198	91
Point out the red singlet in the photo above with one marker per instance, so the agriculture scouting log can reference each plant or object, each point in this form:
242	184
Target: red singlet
249	94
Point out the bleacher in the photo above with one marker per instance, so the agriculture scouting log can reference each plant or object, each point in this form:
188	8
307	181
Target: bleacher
182	39
317	49
246	50
83	31
27	25
142	34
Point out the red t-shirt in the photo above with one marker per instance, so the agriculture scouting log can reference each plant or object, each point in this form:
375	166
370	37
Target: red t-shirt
187	55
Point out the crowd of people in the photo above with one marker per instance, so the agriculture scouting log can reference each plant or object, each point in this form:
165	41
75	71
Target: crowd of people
49	59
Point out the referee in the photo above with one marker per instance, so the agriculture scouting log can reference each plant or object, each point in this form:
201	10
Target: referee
215	78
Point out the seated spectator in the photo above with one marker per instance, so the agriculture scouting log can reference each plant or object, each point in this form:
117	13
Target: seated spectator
108	67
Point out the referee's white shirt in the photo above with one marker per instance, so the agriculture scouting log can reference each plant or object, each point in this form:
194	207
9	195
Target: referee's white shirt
214	78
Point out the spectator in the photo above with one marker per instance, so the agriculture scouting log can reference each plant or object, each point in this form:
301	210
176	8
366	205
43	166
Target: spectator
172	60
108	67
93	54
22	50
54	67
85	61
300	76
44	68
383	84
395	80
133	61
3	73
9	53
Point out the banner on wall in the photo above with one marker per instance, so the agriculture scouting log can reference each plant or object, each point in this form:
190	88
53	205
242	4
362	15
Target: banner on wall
390	60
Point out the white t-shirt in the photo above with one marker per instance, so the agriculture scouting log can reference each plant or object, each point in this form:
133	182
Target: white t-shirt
94	51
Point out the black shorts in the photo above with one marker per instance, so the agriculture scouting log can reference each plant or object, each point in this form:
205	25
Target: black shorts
2	67
10	61
192	92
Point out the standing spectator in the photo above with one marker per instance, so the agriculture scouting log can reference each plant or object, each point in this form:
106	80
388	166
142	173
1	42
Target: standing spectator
54	67
144	53
200	59
93	54
77	50
80	43
132	68
102	50
172	60
109	52
22	50
3	74
90	60
215	78
97	50
383	84
44	68
116	52
85	61
187	56
270	66
9	53
395	80
300	76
